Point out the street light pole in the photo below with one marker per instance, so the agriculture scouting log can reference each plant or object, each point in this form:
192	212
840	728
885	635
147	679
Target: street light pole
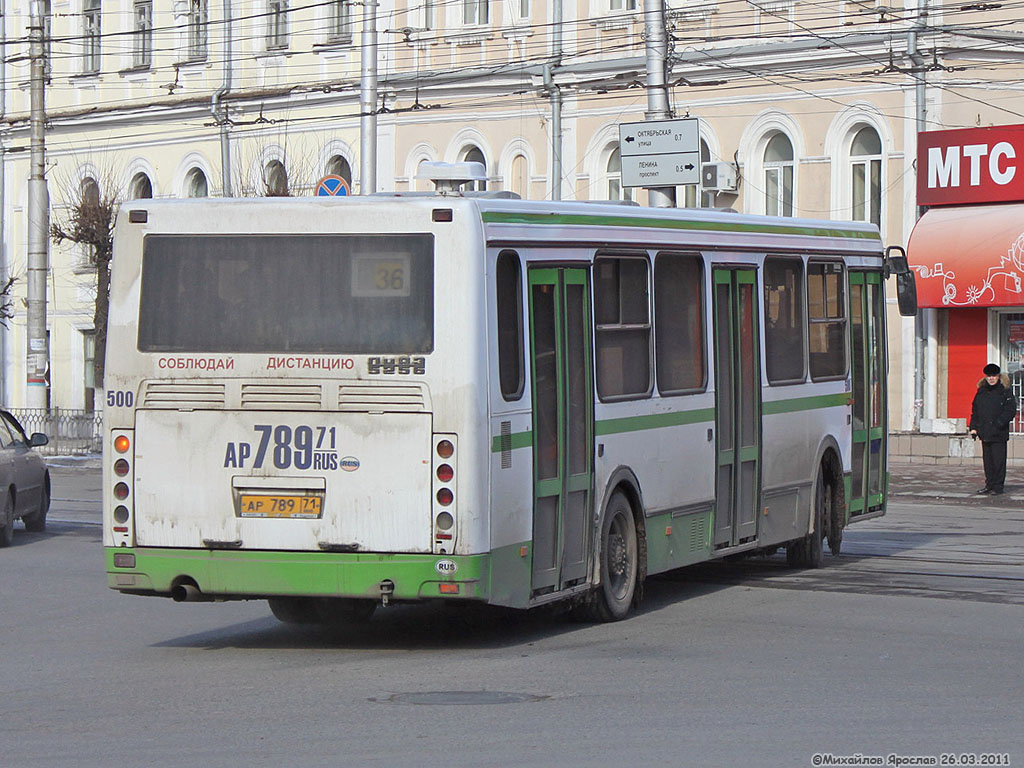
38	218
657	86
368	101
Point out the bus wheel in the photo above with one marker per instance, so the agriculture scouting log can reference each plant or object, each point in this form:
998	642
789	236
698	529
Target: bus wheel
836	518
808	551
7	522
339	611
295	610
613	599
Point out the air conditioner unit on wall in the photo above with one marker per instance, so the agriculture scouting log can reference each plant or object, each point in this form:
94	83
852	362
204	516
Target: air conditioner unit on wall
718	177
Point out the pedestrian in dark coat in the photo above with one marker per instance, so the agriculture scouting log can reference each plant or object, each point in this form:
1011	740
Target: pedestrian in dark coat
993	410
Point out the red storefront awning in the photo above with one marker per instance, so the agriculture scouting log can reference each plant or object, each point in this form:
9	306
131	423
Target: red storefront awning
969	256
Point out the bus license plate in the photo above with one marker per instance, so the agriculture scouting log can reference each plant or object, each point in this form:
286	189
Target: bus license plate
280	505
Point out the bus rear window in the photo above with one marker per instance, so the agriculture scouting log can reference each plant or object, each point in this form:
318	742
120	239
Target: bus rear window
327	294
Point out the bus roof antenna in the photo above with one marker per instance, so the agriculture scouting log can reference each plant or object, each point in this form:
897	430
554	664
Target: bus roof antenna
449	177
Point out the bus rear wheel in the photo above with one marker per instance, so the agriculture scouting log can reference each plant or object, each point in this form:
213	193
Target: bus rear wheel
619	557
333	611
808	552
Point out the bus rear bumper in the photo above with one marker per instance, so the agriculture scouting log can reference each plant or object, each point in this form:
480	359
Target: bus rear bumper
236	575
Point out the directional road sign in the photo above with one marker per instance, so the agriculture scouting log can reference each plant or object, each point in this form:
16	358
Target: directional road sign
660	153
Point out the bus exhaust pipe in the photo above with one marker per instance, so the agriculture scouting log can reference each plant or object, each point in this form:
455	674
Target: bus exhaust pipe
188	593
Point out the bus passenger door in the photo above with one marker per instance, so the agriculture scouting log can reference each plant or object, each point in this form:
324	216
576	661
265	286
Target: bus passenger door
737	406
867	350
563	425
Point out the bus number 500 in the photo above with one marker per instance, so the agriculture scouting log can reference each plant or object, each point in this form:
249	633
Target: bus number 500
120	398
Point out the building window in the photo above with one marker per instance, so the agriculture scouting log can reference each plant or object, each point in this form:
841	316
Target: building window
428	14
475	11
622	327
622	5
778	176
198	29
275	179
141	187
826	315
142	34
196	184
679	323
475	155
509	306
784	320
47	40
339	166
339	21
277	24
519	181
613	172
89	368
91	36
524	9
866	176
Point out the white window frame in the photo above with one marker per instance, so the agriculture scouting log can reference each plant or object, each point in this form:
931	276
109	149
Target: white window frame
476	12
277	24
339	21
198	30
622	6
613	179
142	34
867	162
92	36
776	171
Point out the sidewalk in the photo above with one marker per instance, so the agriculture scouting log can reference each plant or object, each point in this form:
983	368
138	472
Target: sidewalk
952	484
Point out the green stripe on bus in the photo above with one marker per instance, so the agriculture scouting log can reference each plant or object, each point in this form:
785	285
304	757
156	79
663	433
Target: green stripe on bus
516	440
653	421
563	219
805	403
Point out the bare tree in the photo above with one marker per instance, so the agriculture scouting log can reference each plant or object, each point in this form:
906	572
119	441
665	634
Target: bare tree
89	223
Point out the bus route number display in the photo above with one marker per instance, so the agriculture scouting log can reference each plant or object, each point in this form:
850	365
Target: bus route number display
381	275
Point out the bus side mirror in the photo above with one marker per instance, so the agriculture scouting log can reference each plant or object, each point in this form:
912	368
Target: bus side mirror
906	288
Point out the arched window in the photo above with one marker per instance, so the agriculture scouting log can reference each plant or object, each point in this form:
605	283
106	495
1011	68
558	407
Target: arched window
692	196
196	184
866	176
142	187
275	179
613	172
778	176
90	192
518	181
338	166
475	155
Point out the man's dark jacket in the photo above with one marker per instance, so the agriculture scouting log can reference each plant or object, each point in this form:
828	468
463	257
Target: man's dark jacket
993	410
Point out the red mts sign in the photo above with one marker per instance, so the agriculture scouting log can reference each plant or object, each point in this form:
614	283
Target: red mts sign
972	165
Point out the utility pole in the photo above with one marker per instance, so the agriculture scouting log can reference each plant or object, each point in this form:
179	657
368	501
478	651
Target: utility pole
368	101
657	86
38	218
556	100
924	319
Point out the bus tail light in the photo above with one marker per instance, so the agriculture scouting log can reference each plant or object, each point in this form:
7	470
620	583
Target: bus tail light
121	504
444	492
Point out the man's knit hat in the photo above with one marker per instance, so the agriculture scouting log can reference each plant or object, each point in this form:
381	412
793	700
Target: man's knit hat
991	369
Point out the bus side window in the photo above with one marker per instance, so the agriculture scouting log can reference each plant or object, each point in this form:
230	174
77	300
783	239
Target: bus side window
623	327
784	329
679	323
509	304
826	310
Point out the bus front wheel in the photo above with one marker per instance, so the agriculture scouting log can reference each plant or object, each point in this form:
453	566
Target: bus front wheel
619	557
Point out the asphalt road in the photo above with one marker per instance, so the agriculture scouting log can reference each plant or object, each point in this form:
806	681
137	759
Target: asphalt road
909	644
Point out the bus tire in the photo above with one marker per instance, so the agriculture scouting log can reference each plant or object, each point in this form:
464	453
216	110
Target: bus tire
619	557
340	611
808	551
7	522
36	522
295	610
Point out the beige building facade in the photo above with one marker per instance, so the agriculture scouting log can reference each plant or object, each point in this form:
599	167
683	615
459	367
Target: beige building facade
816	106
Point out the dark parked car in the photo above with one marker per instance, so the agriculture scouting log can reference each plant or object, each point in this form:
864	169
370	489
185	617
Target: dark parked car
24	481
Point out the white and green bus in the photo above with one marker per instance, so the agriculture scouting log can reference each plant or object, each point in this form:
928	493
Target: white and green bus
334	404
